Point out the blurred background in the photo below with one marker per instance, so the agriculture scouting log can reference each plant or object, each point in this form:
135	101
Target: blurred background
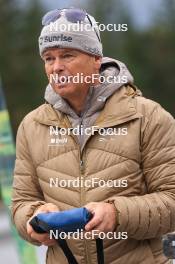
147	48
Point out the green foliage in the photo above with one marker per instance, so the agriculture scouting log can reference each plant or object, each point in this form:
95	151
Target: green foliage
20	64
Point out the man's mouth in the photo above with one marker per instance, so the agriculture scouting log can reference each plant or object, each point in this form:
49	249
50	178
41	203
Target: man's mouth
62	80
59	81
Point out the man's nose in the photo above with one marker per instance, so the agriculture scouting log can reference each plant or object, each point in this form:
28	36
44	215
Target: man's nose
58	65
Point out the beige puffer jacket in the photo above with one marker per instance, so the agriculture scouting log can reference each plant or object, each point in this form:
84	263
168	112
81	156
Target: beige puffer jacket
144	156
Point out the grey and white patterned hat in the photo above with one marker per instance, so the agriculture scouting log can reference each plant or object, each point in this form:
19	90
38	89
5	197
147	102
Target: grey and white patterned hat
61	33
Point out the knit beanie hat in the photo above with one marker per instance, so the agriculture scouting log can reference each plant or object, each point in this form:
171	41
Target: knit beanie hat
61	32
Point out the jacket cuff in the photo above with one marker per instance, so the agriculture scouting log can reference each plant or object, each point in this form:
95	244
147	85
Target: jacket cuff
20	217
112	201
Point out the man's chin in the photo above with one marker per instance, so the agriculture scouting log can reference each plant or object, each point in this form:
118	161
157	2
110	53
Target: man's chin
62	89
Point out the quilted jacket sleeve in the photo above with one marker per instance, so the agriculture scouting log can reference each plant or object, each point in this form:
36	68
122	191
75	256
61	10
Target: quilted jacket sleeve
153	214
27	195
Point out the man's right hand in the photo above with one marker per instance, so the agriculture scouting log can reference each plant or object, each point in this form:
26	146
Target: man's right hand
44	239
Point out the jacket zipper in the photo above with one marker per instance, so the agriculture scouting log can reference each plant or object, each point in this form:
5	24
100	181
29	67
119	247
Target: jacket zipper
81	179
82	194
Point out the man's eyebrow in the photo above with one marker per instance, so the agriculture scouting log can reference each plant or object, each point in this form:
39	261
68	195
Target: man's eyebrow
69	50
47	53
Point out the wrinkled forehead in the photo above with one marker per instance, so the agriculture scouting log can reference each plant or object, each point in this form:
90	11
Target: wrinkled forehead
59	51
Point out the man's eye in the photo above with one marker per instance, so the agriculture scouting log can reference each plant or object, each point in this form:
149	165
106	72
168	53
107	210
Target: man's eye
67	55
48	59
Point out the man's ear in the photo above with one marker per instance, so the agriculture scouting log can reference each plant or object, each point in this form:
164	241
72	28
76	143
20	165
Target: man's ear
98	62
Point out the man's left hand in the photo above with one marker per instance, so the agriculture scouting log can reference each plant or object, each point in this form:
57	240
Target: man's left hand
104	217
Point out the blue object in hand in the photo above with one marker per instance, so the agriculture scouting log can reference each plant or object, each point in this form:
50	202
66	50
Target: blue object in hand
63	221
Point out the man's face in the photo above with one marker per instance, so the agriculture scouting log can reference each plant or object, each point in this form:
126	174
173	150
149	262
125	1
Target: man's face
69	62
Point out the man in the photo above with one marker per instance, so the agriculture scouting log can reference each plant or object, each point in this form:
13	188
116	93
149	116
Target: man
131	143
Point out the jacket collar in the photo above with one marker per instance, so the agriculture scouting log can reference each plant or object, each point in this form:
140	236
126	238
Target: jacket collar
119	108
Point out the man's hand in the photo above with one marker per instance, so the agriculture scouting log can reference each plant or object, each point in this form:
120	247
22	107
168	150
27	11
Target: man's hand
42	238
104	217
